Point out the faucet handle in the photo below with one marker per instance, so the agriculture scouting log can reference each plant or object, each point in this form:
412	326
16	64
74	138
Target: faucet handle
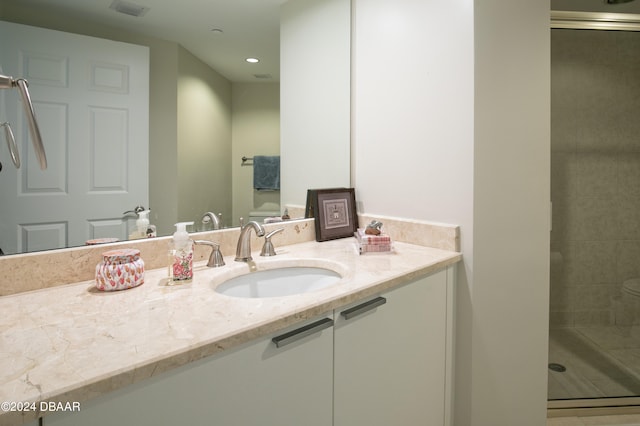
267	248
215	258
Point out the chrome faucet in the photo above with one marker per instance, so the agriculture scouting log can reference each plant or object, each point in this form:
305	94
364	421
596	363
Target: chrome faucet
215	220
243	251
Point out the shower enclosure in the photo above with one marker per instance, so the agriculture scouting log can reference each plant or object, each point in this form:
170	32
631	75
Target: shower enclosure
594	346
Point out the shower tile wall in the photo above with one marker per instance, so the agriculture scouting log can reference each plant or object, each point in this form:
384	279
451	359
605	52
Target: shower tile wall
595	166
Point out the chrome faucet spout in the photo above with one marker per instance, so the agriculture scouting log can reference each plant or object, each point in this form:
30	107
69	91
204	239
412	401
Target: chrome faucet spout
243	250
215	220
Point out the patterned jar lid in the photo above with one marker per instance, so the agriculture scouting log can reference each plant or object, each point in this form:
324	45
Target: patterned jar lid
121	256
101	241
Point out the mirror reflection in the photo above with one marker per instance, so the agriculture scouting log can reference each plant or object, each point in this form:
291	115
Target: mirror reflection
179	160
207	109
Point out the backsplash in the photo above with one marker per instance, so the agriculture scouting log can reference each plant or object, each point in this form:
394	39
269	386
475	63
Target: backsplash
32	271
429	234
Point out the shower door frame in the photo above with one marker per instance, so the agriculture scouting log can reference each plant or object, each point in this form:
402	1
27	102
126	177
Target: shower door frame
593	407
612	22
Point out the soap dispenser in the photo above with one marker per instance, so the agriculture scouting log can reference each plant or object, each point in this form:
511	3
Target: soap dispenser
181	255
143	228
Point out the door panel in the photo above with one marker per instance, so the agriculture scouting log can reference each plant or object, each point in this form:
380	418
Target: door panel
91	101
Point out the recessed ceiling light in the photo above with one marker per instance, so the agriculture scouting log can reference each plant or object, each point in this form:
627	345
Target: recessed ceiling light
252	60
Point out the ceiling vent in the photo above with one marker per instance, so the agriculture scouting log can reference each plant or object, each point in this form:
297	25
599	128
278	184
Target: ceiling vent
127	8
262	76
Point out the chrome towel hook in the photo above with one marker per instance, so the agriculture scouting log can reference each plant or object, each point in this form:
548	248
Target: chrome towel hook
11	143
7	82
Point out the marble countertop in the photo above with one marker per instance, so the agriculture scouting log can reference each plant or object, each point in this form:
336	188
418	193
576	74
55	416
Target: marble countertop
71	343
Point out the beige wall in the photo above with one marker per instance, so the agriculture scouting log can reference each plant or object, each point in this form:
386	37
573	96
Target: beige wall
595	163
204	140
256	131
163	134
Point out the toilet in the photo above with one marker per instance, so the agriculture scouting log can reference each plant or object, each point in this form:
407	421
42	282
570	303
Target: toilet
260	216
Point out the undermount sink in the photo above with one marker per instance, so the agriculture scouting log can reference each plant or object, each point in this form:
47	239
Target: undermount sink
279	281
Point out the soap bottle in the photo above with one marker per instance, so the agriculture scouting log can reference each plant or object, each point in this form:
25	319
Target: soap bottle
181	255
140	229
143	228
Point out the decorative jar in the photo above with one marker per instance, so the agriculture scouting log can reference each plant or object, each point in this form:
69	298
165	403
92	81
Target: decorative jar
119	270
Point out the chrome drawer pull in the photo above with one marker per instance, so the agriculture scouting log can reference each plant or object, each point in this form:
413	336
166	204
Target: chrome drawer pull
362	308
302	332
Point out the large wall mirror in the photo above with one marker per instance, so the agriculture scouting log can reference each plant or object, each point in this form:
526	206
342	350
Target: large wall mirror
208	108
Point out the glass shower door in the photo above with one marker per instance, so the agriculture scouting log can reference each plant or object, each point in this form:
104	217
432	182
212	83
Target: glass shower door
594	347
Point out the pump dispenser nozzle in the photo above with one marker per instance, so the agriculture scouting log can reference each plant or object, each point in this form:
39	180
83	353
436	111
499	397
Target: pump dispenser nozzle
181	235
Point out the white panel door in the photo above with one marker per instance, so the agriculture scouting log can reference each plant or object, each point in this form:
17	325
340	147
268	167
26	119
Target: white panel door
91	98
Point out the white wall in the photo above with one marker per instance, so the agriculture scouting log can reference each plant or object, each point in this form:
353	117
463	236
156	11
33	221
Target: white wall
314	93
510	285
413	108
451	124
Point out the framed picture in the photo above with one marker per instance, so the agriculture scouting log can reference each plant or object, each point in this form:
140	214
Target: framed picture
310	208
335	213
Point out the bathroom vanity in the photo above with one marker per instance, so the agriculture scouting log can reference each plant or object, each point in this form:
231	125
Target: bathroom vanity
373	349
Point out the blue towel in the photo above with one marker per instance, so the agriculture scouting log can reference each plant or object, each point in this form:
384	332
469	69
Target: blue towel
266	172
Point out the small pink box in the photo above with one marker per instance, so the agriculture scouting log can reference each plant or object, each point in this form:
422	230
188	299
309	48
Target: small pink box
119	270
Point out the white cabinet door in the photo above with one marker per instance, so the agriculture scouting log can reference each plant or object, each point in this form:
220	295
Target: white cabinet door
390	361
257	384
